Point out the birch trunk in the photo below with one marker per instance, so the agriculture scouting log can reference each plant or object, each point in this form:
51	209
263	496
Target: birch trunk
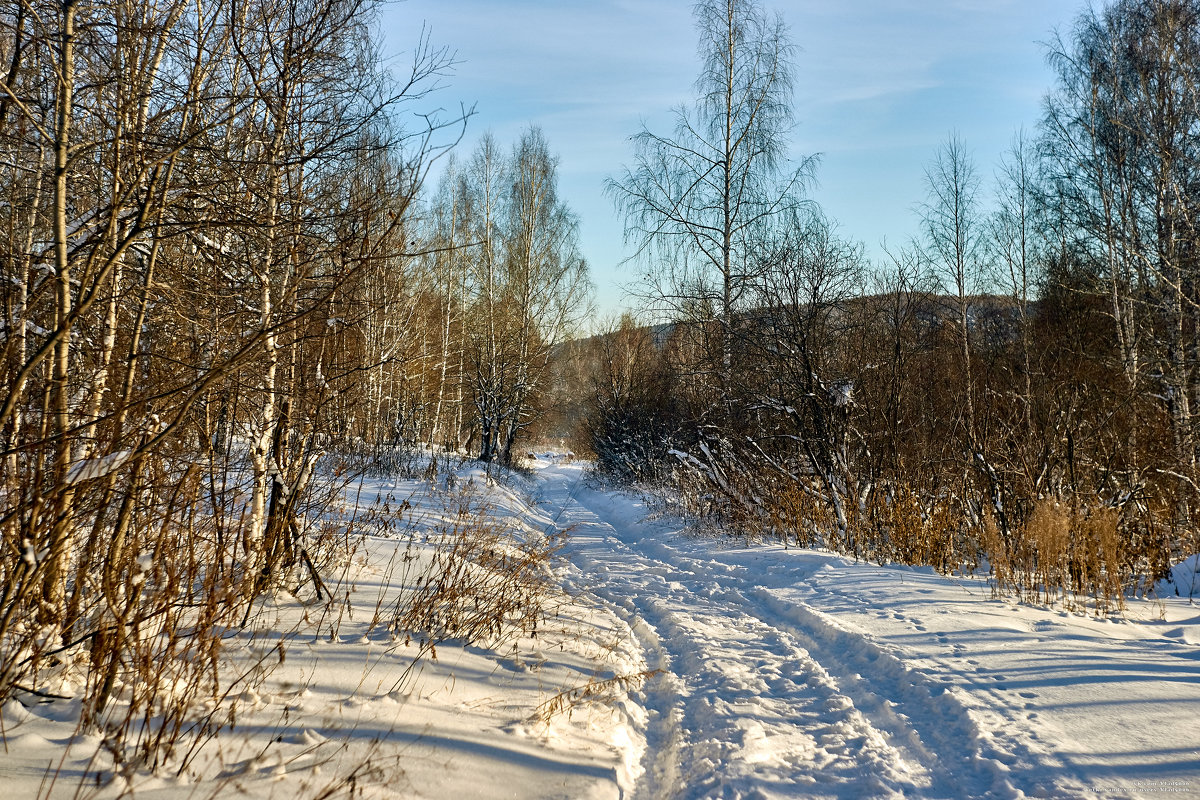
58	542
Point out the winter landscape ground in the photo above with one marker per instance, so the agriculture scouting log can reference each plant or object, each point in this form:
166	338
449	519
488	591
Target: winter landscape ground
676	666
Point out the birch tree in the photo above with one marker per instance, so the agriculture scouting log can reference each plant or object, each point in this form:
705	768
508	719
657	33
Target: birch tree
527	286
695	201
1121	133
547	277
953	235
197	196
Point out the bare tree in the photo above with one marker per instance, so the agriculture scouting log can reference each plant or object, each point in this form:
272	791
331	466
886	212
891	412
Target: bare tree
546	276
527	288
449	236
695	202
950	217
1120	131
1015	240
806	386
488	339
197	195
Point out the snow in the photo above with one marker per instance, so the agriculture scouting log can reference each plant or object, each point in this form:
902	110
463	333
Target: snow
686	667
337	705
92	468
797	673
1184	581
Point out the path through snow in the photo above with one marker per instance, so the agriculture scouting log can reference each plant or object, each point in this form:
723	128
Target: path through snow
802	674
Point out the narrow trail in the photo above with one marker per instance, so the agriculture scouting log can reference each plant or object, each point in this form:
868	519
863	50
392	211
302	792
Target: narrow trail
762	697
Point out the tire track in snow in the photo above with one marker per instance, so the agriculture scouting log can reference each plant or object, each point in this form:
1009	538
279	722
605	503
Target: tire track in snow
660	778
925	722
664	735
765	698
923	718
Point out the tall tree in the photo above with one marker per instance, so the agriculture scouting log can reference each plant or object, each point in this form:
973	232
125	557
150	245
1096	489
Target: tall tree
1121	130
195	195
528	285
1015	239
485	196
695	202
950	218
547	277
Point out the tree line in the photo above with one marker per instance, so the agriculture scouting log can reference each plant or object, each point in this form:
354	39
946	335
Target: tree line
227	286
1015	387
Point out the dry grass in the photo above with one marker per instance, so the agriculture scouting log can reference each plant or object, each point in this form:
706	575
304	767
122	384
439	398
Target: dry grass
1075	556
158	584
795	515
903	530
596	690
486	581
1082	553
1048	536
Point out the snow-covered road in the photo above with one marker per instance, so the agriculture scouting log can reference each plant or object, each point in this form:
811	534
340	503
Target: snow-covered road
780	674
802	674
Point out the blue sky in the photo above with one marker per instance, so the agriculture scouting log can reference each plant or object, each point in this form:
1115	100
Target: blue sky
880	84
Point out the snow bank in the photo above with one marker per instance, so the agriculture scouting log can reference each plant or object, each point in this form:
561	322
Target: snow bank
334	703
1184	580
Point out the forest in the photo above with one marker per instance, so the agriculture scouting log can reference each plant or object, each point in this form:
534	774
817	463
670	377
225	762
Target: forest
1015	388
244	262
